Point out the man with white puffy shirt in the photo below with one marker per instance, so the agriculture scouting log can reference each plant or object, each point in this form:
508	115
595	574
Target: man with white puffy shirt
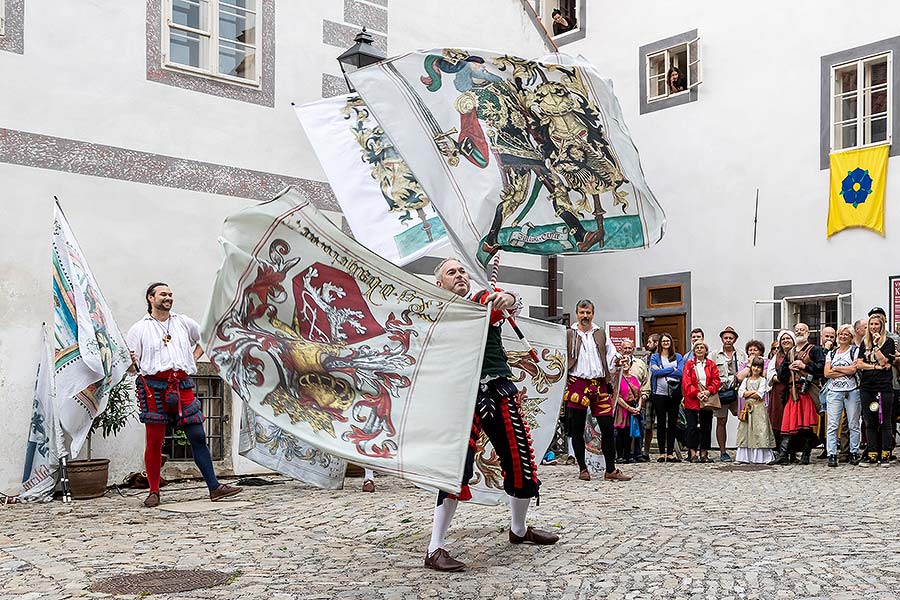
164	348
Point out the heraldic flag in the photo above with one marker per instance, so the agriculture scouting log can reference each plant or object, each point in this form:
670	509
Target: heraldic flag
90	351
529	156
856	198
341	349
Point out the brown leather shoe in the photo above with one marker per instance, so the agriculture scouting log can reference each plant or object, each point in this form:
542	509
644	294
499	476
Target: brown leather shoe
590	238
224	491
439	560
535	536
584	475
368	485
152	500
616	475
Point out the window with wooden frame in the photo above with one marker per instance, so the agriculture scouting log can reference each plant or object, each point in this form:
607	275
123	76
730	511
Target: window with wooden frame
214	38
675	70
861	102
663	296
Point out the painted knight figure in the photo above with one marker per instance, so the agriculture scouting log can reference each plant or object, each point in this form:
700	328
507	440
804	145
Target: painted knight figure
519	155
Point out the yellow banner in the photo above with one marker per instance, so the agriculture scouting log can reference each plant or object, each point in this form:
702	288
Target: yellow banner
858	180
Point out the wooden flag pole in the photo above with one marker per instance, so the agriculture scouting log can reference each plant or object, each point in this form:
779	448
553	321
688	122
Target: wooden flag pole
495	270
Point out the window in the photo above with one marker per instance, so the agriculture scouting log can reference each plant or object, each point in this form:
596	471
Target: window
861	100
213	37
674	70
818	312
2	17
664	296
210	390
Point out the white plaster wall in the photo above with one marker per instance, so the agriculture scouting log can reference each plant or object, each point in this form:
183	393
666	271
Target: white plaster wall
83	76
755	125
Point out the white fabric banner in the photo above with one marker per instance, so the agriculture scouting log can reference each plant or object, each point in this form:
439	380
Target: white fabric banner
519	155
271	447
44	435
90	351
385	205
541	388
333	344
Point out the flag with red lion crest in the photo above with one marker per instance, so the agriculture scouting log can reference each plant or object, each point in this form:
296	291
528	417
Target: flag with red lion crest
336	346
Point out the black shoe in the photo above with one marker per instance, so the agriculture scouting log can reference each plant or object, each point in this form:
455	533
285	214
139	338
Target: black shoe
854	459
643	458
832	461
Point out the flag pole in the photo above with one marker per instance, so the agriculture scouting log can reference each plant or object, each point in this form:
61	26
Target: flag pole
495	270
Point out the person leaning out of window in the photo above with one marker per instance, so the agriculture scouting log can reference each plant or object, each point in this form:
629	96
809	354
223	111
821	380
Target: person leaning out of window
873	363
561	24
676	80
700	382
665	395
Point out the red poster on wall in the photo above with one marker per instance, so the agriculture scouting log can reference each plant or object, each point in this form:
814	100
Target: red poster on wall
617	332
895	302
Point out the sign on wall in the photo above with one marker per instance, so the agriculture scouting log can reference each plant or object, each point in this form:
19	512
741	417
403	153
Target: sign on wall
894	285
619	331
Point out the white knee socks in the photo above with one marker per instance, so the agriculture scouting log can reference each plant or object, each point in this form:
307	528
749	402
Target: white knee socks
571	448
369	475
518	509
443	515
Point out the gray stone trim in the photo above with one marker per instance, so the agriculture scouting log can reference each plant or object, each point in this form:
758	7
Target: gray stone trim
373	18
845	286
264	94
332	85
576	34
545	298
341	36
889	45
545	35
513	275
13	40
683	279
652	48
84	158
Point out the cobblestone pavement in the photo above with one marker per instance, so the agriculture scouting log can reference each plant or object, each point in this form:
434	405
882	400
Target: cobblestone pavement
675	531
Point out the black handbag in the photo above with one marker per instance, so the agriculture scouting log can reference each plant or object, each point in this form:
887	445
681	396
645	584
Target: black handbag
727	396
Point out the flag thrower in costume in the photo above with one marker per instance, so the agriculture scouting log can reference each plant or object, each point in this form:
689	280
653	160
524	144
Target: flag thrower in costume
336	346
517	155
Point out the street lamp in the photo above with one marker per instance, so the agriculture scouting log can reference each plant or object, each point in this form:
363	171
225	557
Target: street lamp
359	55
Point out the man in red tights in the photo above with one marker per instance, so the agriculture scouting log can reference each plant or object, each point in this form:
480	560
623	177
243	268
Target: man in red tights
164	347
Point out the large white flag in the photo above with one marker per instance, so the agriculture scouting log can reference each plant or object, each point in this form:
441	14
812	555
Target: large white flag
541	385
271	447
90	351
519	155
385	205
44	435
333	344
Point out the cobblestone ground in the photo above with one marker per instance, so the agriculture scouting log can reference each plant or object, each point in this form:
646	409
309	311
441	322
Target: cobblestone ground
675	531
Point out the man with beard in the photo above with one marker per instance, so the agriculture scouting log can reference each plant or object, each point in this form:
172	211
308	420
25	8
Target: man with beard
808	368
588	386
165	347
727	360
497	414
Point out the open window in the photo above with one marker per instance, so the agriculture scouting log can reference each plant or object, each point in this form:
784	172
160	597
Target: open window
673	71
818	312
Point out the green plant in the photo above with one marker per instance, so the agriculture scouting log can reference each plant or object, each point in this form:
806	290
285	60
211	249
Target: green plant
120	408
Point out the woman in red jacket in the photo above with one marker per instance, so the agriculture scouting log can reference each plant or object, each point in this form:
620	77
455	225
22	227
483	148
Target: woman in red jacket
700	380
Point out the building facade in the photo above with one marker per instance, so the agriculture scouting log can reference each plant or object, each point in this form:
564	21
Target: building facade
151	122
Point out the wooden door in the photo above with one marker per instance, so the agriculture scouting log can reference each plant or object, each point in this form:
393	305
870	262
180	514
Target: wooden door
671	324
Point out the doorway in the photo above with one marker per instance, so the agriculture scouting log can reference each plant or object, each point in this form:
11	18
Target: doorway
674	325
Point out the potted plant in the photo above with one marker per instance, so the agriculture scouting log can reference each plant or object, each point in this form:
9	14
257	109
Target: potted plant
88	478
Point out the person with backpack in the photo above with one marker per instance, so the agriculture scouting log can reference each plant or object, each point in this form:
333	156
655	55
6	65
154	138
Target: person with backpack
842	394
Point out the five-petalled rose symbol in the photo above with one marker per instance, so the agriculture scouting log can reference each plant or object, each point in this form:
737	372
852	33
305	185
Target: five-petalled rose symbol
856	187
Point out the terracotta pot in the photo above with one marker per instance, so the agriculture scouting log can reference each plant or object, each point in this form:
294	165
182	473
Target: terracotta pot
88	478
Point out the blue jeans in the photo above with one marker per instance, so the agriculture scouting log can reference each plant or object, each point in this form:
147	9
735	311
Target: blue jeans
838	402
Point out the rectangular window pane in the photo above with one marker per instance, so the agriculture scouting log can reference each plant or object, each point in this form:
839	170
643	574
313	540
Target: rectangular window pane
657	76
876	72
875	130
845	79
237	61
186	48
845	135
875	101
236	25
845	107
248	4
191	13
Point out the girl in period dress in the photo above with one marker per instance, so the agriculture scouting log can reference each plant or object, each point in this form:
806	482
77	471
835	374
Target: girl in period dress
755	439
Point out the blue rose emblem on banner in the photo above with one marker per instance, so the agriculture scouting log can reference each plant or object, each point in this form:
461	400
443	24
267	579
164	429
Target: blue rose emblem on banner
856	187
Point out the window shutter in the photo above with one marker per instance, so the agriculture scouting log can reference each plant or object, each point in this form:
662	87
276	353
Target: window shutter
695	70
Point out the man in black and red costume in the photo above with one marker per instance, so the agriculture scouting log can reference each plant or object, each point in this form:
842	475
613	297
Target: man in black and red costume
497	414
